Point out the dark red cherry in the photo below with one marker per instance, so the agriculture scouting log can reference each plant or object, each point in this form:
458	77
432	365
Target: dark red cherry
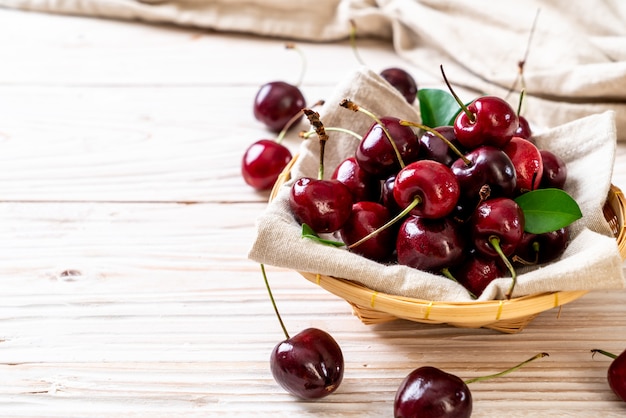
493	122
375	153
429	244
501	218
367	217
616	376
477	271
523	129
387	198
401	81
309	365
554	170
541	248
429	392
488	166
362	184
434	148
263	162
432	183
527	161
324	205
276	103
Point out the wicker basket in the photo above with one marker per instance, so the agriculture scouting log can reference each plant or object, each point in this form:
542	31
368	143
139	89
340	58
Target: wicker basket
508	316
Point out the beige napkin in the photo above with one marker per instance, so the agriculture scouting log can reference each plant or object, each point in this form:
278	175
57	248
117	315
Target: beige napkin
592	260
576	64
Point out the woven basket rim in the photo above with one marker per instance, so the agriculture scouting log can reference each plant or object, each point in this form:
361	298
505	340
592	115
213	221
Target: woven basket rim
508	315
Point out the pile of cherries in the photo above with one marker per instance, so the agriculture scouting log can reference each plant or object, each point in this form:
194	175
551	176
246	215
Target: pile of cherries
440	200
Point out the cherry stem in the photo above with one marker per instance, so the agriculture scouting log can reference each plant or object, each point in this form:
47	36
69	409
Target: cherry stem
522	94
507	371
416	201
606	353
294	119
269	290
303	58
348	104
316	123
307	134
353	42
495	243
440	136
470	115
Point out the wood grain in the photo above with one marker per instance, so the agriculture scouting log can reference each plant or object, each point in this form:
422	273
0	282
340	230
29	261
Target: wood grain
125	289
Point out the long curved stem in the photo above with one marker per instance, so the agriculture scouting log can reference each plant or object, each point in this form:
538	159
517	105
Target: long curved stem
507	371
269	290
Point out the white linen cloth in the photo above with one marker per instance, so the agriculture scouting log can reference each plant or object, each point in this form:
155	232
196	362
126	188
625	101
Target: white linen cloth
576	64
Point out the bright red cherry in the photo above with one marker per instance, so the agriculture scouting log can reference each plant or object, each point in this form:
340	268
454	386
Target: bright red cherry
263	162
491	121
432	183
324	205
527	161
362	184
276	103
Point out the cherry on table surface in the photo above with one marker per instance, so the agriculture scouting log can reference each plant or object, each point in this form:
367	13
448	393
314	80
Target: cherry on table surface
262	163
616	373
276	103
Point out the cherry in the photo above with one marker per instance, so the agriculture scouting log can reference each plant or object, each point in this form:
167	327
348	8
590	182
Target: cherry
263	162
402	81
487	166
277	102
497	226
429	392
434	148
429	186
324	205
541	248
616	374
477	271
487	120
429	244
554	170
367	217
362	184
308	365
375	153
387	198
523	129
527	161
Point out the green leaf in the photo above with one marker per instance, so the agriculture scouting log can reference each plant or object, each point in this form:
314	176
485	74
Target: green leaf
547	210
307	232
437	107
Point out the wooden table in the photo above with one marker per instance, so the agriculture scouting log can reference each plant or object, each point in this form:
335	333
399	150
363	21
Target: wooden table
124	225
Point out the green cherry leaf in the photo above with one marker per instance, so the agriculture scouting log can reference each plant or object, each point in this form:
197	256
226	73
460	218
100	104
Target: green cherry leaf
437	107
547	210
307	232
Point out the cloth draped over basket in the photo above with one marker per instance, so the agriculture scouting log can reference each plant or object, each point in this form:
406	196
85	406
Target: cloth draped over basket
576	64
591	261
